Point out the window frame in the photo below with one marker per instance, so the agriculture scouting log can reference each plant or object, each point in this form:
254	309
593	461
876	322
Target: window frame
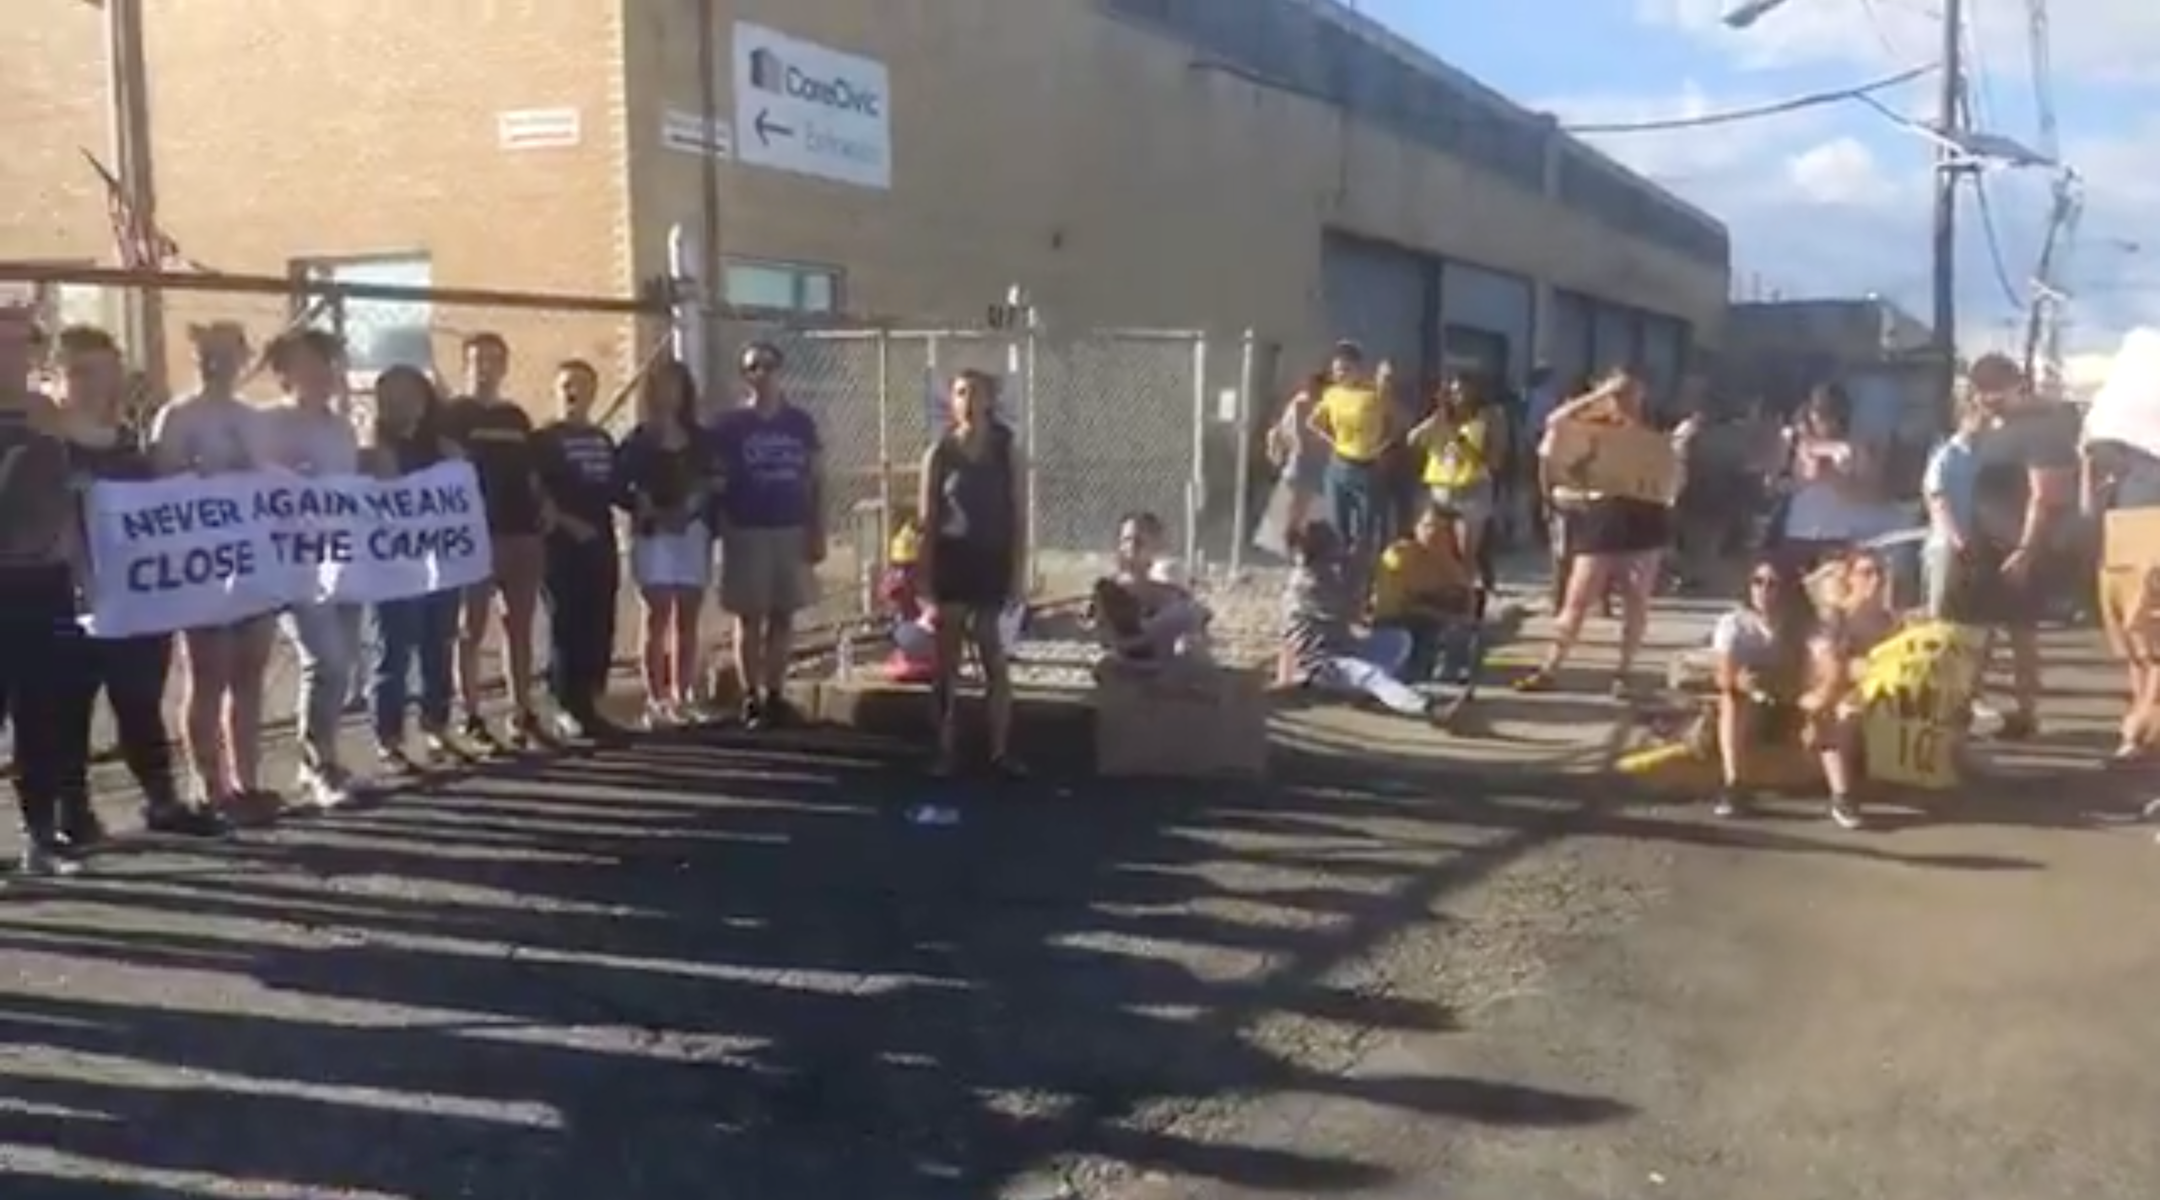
325	269
800	272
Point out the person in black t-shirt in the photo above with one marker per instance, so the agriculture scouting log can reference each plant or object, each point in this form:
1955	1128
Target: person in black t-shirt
667	480
38	634
2027	485
577	474
413	631
129	672
497	436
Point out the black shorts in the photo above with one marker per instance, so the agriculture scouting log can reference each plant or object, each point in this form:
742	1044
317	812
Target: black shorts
971	575
1604	527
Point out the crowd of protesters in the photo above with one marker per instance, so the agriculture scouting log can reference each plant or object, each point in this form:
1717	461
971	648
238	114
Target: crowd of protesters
742	482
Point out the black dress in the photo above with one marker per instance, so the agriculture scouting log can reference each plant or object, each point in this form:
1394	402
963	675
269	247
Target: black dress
1612	525
974	523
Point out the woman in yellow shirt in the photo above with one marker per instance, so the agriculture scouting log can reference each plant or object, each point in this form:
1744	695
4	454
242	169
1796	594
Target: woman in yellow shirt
1355	420
1423	586
1457	444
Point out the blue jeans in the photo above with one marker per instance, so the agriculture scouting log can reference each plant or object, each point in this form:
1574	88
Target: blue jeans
1358	504
326	637
423	631
1373	668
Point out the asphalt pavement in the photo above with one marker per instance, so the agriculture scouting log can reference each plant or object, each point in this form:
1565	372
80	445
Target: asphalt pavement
724	966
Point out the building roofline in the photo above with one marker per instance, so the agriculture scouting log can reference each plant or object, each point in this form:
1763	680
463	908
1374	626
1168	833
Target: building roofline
1379	34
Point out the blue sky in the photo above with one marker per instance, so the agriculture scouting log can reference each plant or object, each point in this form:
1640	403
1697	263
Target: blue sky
1834	200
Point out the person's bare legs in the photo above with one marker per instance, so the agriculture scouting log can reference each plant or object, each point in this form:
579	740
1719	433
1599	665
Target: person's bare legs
953	626
779	637
1638	579
982	629
520	607
1587	578
2025	675
1735	725
656	658
750	653
684	651
206	656
478	605
252	643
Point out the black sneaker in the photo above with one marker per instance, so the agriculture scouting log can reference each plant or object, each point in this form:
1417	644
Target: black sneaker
1845	813
81	830
45	856
2018	727
480	738
176	819
754	713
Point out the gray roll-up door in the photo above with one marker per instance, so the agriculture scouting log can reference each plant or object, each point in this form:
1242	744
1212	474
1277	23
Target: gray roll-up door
1384	298
1493	303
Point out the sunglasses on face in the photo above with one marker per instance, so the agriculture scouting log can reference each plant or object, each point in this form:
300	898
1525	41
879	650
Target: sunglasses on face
760	366
1763	581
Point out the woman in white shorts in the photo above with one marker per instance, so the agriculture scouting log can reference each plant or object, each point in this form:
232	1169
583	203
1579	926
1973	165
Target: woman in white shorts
664	472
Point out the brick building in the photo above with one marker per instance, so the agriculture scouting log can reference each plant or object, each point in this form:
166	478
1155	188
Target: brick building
1279	165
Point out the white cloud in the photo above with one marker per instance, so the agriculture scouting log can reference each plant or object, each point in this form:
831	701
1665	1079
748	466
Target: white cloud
1832	202
2116	39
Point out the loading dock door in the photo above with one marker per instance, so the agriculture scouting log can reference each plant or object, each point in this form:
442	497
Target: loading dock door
1384	298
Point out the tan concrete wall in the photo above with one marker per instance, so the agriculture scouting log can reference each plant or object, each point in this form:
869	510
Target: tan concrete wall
291	129
1039	141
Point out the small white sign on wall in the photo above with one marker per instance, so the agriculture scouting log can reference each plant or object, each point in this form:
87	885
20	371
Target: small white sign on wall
538	129
688	133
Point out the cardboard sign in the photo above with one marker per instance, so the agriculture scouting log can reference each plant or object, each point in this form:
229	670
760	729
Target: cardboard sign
2130	539
1918	689
1621	461
1188	720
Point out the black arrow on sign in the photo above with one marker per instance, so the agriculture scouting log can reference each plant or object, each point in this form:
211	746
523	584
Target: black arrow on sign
768	129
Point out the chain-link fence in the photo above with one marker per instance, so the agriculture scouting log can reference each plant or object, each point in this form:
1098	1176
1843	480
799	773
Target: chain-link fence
1112	422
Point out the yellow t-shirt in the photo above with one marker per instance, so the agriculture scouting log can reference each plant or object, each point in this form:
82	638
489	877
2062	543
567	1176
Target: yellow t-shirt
1414	578
1356	419
1455	458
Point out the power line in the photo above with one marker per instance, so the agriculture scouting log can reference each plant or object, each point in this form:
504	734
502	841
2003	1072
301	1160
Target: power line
1756	113
1875	22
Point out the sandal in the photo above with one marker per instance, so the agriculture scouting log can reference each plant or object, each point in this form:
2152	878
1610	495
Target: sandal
1538	680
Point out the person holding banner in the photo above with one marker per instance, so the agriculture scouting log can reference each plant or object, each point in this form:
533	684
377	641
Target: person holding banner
1613	540
38	634
416	631
662	472
496	435
584	569
130	672
215	432
307	435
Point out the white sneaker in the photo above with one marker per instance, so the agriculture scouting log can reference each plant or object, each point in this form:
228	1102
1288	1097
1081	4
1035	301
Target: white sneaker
323	788
660	716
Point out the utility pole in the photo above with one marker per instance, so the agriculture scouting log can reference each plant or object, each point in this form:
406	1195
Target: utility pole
128	91
712	271
1950	168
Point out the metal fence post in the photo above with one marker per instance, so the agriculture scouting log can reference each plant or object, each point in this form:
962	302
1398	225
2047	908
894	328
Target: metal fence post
1029	380
1196	486
885	464
1241	469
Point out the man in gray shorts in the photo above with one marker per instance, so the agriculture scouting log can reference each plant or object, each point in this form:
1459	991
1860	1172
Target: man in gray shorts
770	516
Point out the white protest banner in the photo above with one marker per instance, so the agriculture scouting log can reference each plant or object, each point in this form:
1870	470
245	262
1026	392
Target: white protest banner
2126	409
194	551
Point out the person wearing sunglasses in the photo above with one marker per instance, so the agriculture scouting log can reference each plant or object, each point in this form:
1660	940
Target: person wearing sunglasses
770	516
1761	659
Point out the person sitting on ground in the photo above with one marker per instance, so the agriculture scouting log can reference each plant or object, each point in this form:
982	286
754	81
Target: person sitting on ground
1320	648
914	625
1424	588
1761	655
1142	610
1857	616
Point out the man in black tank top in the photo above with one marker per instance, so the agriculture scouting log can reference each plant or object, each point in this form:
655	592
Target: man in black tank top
974	555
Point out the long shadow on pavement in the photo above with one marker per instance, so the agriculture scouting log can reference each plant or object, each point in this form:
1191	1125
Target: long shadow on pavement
732	969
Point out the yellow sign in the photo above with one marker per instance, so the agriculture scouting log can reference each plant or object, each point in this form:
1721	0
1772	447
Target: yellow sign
1917	689
1624	461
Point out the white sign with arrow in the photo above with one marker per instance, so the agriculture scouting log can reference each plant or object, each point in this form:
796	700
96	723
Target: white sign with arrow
811	110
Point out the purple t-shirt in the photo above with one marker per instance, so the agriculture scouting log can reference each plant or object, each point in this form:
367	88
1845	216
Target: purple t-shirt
764	460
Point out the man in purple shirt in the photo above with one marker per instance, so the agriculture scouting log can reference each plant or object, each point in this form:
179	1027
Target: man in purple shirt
770	516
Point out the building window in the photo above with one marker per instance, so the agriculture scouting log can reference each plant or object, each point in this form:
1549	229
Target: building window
379	334
783	287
